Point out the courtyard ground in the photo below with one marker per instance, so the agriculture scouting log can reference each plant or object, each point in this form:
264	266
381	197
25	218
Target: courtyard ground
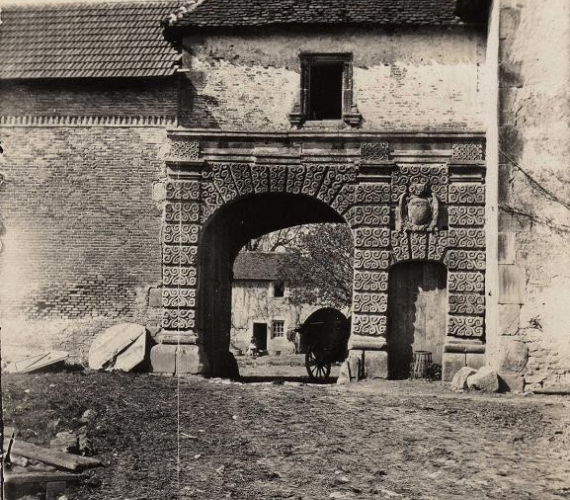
374	440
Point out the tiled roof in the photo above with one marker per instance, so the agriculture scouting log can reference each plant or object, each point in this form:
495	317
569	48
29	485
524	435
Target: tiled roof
236	13
86	40
259	266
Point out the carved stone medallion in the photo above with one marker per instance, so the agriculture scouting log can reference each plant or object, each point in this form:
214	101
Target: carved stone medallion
418	209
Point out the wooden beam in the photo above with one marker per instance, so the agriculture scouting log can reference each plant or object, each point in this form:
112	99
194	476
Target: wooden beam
53	457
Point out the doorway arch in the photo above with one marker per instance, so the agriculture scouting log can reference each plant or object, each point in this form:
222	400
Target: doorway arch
417	314
224	234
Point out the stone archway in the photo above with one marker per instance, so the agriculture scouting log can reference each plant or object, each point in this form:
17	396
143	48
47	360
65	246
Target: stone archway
226	232
405	198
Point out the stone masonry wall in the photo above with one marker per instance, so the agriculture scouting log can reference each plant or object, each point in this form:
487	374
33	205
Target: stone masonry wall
409	80
534	189
80	235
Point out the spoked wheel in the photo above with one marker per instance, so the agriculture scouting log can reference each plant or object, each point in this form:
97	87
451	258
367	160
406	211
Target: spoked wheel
318	369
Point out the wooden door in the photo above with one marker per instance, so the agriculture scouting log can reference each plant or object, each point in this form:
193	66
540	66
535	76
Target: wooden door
260	336
417	308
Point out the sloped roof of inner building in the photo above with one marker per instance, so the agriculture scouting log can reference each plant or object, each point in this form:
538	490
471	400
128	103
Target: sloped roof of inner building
260	266
236	13
86	40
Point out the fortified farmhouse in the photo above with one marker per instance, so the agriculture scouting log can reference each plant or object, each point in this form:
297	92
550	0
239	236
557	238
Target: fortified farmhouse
139	157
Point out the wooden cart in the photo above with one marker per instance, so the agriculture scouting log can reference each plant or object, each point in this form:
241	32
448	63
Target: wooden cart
324	337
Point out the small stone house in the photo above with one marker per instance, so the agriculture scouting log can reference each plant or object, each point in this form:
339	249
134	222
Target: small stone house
260	304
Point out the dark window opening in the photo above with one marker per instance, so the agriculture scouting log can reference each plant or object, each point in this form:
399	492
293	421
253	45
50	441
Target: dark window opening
325	92
279	289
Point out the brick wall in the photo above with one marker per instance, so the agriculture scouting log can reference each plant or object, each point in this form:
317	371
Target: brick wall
132	97
81	231
409	80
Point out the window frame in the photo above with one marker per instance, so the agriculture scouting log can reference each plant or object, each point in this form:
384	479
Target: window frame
274	286
349	110
282	334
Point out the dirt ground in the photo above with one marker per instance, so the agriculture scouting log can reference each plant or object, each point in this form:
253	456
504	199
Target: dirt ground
163	438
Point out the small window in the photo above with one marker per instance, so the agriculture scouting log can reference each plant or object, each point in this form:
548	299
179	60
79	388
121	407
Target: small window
279	289
325	91
277	328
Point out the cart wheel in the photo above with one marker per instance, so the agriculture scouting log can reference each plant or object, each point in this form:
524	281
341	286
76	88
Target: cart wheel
317	369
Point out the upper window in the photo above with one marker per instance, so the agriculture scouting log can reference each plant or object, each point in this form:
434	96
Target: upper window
279	289
277	328
326	90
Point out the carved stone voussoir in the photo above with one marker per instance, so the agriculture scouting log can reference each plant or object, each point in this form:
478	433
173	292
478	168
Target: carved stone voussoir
179	297
178	319
368	215
183	190
370	303
466	326
179	276
466	216
465	260
466	194
372	259
467	238
374	326
467	304
370	281
182	212
179	255
376	194
183	234
372	237
466	282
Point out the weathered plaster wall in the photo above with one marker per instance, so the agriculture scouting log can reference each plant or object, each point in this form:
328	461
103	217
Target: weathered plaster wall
534	189
80	235
409	80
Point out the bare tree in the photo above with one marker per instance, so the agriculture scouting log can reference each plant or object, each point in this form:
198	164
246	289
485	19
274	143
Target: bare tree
273	242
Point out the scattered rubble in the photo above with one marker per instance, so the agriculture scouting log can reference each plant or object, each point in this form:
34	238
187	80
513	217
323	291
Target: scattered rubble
484	380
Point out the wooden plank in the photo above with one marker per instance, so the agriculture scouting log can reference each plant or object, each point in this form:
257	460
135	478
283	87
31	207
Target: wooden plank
53	457
40	477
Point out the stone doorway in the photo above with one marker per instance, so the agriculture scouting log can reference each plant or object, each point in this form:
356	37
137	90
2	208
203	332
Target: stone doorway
417	309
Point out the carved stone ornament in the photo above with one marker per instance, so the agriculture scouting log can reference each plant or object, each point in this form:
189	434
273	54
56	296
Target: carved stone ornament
418	209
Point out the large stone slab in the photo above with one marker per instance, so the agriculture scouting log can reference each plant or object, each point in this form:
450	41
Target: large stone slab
37	362
459	382
121	347
486	380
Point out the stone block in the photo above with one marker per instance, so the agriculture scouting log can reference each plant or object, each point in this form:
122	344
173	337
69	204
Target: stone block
513	356
459	382
507	248
375	364
509	319
366	342
163	359
453	362
512	284
191	360
513	382
485	380
155	297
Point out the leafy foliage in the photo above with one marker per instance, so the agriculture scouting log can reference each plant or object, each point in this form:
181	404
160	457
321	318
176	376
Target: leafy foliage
320	270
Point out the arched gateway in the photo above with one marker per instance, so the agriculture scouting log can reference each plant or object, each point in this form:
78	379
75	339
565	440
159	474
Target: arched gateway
404	199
